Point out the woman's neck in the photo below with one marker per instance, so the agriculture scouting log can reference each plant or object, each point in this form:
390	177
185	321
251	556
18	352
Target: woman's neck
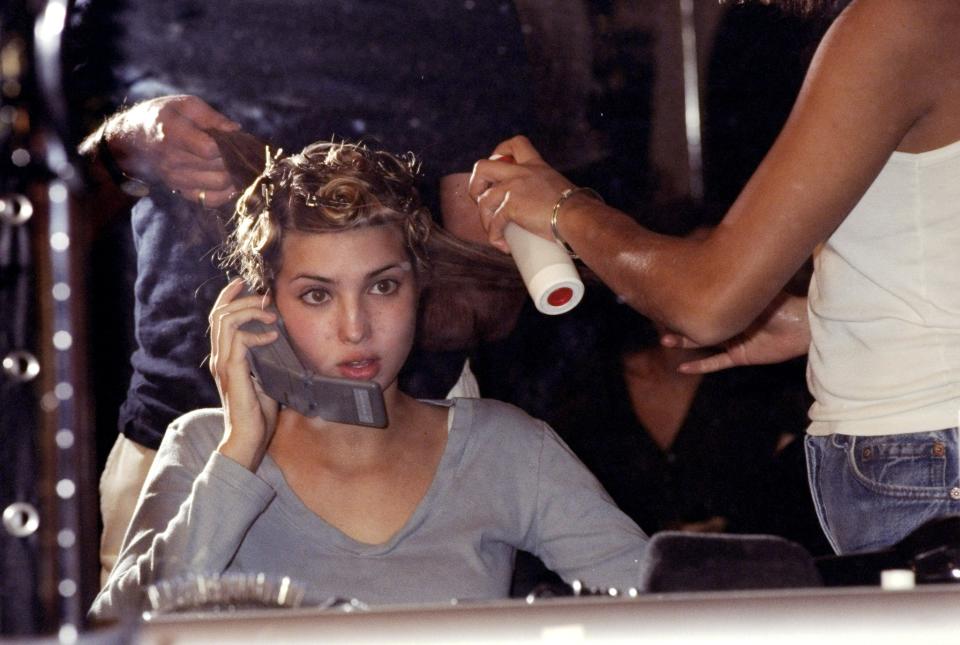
367	482
343	445
656	363
659	395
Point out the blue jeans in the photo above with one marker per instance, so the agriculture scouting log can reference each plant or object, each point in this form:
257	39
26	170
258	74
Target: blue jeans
870	492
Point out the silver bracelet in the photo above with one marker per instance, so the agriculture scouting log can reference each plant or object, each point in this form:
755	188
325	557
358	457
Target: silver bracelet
564	196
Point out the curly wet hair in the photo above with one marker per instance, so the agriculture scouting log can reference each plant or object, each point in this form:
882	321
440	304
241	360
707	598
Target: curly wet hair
327	187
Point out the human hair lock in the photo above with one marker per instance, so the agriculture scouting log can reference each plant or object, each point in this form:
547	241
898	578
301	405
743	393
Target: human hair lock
328	187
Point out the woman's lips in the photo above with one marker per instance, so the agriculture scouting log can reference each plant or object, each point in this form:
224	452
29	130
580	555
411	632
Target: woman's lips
363	369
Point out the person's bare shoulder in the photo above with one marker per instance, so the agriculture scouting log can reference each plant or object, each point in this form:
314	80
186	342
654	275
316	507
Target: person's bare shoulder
905	28
895	50
912	49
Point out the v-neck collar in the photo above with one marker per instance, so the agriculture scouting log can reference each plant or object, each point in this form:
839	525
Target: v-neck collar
317	528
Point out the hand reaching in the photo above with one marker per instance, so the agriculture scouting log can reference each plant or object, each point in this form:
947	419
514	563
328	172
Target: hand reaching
524	191
163	140
780	333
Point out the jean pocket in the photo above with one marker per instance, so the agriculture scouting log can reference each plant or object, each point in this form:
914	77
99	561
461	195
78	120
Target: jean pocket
906	465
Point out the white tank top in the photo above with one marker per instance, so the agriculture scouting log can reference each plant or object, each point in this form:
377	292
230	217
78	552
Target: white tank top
885	305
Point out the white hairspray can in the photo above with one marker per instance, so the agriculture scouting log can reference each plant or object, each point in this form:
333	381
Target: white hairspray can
547	271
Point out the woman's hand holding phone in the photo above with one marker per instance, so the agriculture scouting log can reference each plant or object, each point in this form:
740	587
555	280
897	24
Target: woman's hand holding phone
250	416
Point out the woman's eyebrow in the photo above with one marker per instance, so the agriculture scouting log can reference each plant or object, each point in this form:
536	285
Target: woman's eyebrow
319	278
387	267
312	278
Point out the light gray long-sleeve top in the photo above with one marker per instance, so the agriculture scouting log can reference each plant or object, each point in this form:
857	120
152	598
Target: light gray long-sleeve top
505	482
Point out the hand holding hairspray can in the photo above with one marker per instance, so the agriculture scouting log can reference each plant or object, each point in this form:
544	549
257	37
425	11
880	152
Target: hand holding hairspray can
548	272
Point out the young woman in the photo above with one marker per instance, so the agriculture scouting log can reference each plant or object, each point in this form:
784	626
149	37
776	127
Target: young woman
865	174
430	508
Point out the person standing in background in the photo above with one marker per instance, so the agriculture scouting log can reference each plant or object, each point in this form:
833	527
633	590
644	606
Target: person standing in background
863	176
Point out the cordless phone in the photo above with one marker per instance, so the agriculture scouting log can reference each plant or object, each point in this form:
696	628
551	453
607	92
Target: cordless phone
285	379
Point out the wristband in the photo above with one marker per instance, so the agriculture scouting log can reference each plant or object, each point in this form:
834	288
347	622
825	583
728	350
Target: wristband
564	196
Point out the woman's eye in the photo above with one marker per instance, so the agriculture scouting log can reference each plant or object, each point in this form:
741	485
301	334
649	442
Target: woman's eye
384	287
316	296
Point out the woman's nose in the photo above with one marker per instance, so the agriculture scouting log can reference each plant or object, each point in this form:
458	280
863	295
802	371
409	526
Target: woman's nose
354	323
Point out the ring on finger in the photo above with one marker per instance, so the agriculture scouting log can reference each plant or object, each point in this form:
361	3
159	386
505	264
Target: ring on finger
498	211
202	198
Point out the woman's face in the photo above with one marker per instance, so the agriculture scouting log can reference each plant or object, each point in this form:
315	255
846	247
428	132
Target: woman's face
349	302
